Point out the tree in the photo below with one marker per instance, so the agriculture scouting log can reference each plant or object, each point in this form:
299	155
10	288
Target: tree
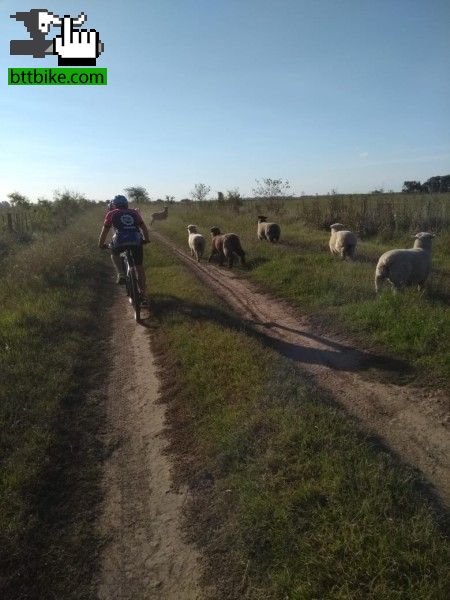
170	199
70	199
410	187
271	188
437	184
18	200
233	197
138	194
200	192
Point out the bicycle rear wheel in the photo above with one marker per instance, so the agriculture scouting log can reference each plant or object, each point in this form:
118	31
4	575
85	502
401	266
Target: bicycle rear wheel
135	295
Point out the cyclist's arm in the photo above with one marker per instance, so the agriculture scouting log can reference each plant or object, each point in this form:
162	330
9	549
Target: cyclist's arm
103	235
144	230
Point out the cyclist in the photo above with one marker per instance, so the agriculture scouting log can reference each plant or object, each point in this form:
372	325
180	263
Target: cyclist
130	231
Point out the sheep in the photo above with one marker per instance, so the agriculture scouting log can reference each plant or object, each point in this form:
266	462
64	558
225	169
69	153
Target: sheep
226	246
159	216
406	267
342	242
196	242
268	231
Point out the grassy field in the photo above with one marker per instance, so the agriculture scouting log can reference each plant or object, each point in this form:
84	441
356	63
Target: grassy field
50	455
339	296
290	500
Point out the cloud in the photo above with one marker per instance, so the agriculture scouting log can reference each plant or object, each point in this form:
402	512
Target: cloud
364	154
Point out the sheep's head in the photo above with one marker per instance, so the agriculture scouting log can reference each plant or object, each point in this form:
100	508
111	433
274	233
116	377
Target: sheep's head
423	240
214	231
262	219
337	227
192	228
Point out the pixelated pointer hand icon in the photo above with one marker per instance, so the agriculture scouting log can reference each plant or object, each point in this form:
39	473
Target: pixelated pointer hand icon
76	47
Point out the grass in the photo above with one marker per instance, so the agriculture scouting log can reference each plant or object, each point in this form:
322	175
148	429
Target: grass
339	296
50	456
290	499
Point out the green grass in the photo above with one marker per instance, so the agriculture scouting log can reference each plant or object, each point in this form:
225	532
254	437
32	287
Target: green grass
290	500
49	452
339	296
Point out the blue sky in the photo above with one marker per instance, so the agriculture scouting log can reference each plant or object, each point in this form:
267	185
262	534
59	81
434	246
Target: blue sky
350	95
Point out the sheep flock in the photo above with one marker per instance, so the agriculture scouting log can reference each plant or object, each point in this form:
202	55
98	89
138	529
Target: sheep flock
400	267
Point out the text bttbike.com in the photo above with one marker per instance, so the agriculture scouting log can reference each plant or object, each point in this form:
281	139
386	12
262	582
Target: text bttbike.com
58	76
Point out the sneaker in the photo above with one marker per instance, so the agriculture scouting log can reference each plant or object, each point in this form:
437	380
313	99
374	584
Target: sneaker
120	279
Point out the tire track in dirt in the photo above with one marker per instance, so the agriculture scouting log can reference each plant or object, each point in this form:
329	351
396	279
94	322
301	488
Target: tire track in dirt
144	556
414	422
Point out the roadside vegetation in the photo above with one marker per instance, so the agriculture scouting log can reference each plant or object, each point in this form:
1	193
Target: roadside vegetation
289	499
50	323
22	222
339	296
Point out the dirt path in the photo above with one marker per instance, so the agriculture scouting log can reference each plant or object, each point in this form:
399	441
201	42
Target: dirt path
413	422
145	556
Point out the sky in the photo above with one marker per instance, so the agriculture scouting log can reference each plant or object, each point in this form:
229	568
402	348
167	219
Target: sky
350	95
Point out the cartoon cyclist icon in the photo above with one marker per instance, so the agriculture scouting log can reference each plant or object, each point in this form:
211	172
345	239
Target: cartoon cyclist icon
74	47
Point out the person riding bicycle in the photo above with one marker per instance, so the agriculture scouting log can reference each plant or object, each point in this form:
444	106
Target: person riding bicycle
130	232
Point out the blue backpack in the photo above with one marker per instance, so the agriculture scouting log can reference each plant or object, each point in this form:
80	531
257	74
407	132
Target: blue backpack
126	238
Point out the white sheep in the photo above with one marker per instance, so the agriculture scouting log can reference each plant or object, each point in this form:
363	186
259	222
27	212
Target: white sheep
342	241
406	267
196	242
268	231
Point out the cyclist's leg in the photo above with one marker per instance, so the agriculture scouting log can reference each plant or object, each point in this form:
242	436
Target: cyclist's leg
118	263
138	255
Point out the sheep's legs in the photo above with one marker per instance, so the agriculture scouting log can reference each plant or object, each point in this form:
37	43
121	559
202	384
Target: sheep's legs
378	282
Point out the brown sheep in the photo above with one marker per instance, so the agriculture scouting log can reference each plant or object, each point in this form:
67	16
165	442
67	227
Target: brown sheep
268	231
159	216
226	246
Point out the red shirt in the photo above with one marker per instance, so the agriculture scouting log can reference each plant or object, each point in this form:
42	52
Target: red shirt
123	219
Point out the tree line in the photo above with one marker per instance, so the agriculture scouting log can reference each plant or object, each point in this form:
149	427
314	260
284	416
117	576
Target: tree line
434	185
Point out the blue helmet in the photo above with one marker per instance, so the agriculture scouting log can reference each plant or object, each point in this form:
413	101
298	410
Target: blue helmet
120	202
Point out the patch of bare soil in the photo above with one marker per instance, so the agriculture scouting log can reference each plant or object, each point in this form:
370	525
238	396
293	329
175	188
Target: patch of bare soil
414	422
145	555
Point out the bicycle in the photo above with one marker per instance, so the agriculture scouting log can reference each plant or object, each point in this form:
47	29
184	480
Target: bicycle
131	282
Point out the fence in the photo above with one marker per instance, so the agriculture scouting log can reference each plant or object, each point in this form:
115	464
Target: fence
13	221
370	214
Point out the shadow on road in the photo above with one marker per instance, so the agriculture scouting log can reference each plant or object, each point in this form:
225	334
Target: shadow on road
332	354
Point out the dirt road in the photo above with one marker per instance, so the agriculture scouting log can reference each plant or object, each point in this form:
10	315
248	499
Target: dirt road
145	556
413	422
